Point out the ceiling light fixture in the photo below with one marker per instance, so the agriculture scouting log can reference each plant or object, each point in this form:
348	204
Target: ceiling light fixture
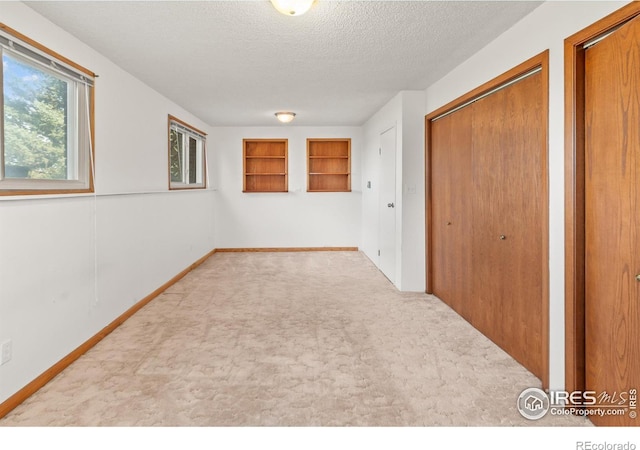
285	117
292	7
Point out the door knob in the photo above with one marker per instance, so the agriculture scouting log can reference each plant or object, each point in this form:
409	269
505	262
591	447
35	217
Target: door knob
448	223
638	277
502	237
390	205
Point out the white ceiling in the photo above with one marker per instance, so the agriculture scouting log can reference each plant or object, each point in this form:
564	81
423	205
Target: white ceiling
237	62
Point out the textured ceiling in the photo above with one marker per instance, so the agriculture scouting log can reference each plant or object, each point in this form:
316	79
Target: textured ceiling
237	62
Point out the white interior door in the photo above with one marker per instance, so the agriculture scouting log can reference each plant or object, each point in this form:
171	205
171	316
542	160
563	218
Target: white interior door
387	205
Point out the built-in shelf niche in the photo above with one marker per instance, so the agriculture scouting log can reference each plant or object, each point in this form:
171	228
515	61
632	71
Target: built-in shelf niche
329	165
265	165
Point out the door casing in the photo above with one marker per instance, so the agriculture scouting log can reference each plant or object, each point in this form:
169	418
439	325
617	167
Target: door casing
575	357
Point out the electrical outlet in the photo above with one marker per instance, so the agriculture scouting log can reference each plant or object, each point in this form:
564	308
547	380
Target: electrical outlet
5	352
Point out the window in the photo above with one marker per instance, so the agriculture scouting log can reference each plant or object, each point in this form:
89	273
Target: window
46	125
186	156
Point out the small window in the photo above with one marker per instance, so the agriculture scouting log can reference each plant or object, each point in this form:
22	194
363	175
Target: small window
186	156
46	120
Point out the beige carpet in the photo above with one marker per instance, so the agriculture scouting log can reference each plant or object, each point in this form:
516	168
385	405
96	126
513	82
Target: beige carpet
288	339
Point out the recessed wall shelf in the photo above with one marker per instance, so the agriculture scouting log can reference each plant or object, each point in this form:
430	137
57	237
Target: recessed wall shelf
329	165
264	164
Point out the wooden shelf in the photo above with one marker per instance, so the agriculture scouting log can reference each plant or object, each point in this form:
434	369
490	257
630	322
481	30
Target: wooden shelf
329	165
264	163
265	174
265	157
329	173
328	157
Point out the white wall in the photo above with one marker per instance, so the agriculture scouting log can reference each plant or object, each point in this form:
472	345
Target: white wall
545	28
413	276
405	112
293	219
69	265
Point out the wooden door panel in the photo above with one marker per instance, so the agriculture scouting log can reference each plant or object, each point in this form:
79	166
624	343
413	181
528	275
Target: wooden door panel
612	221
451	206
488	195
522	288
508	149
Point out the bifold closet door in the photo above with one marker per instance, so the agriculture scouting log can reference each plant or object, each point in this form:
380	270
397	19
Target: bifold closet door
612	217
508	219
488	218
451	209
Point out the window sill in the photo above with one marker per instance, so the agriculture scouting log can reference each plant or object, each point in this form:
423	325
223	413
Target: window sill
95	195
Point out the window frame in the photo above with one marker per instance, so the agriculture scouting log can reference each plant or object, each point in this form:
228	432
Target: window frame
83	126
201	137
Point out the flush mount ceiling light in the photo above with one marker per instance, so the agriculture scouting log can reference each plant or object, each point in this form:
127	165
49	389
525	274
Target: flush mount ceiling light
292	7
285	117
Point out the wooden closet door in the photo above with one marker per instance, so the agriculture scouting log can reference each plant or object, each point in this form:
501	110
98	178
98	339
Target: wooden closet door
488	255
451	210
488	251
612	228
524	277
508	219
